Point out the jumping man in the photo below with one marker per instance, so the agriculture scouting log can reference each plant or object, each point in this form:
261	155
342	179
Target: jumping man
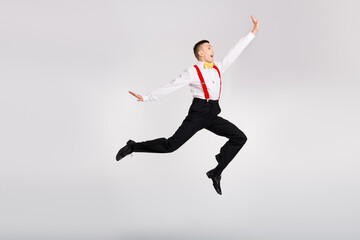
204	79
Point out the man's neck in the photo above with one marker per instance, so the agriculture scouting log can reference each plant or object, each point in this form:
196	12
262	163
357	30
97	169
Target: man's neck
204	61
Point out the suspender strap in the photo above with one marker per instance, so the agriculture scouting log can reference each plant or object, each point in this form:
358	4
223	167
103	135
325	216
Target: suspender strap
202	82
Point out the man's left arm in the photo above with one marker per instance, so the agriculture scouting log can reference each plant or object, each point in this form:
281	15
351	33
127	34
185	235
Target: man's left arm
239	47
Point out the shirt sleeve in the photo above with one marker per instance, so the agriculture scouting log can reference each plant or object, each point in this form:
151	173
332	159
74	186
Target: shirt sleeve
235	51
173	85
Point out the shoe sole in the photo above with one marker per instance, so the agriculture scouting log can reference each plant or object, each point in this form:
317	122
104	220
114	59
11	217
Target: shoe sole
118	156
209	175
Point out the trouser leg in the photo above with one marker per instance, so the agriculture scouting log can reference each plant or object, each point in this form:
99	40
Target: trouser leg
162	145
236	140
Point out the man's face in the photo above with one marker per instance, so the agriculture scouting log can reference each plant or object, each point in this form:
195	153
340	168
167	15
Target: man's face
207	52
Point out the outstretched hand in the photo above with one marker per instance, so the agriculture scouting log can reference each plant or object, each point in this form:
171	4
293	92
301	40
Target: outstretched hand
256	24
139	97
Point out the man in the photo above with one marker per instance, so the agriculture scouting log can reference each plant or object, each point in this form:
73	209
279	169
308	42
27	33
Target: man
204	80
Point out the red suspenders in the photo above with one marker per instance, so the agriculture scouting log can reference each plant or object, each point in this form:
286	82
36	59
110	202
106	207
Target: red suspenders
203	82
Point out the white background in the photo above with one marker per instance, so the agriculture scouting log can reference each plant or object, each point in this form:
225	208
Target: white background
66	68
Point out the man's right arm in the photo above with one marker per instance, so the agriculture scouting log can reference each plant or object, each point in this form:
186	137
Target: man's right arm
175	84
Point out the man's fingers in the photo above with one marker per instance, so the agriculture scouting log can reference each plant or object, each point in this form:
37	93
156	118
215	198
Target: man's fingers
139	97
253	19
134	94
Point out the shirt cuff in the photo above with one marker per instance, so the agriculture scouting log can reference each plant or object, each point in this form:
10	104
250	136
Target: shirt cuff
252	35
145	98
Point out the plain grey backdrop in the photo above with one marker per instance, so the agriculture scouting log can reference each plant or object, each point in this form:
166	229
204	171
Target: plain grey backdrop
66	68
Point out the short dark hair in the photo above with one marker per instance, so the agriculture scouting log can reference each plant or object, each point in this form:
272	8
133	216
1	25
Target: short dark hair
197	45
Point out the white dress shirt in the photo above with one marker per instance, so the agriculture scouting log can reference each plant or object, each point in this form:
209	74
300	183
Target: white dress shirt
211	77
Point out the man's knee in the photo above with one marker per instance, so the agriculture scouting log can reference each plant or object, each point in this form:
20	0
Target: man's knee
171	145
240	138
172	149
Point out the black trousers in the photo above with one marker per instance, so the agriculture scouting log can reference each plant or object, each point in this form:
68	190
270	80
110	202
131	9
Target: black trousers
202	114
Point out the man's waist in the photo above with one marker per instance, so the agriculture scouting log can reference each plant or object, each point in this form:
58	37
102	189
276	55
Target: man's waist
205	100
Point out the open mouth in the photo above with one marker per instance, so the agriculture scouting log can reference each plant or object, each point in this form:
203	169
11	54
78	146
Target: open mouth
212	56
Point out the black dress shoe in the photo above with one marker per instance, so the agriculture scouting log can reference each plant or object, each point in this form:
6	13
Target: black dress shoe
216	180
128	149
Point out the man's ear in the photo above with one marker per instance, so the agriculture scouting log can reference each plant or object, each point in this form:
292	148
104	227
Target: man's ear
201	53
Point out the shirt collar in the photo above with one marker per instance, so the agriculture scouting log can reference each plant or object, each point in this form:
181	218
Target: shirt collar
200	64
